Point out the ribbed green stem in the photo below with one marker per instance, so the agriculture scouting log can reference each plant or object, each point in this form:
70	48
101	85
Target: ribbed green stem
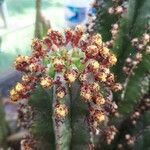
62	129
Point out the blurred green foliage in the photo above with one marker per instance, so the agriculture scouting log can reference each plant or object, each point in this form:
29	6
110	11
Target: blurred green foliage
17	6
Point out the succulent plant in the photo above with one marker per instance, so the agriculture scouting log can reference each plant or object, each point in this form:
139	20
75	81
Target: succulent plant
124	26
68	83
69	79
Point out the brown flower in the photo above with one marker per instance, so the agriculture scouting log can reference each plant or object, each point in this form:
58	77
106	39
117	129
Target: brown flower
59	64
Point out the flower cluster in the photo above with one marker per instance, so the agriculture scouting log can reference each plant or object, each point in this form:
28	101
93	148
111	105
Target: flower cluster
141	45
128	143
118	8
114	32
129	139
132	120
109	134
22	90
140	110
91	19
54	53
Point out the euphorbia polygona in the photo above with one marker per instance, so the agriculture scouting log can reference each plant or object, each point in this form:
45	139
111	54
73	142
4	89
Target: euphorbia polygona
73	56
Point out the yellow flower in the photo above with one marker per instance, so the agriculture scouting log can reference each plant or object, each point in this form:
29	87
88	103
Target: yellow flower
60	94
26	78
100	100
20	59
104	52
79	29
97	39
46	82
87	95
58	61
102	77
92	51
33	67
19	88
14	95
112	59
49	31
99	116
106	70
61	110
71	76
94	64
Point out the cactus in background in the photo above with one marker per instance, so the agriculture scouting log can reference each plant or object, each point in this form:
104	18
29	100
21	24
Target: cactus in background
68	82
127	34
